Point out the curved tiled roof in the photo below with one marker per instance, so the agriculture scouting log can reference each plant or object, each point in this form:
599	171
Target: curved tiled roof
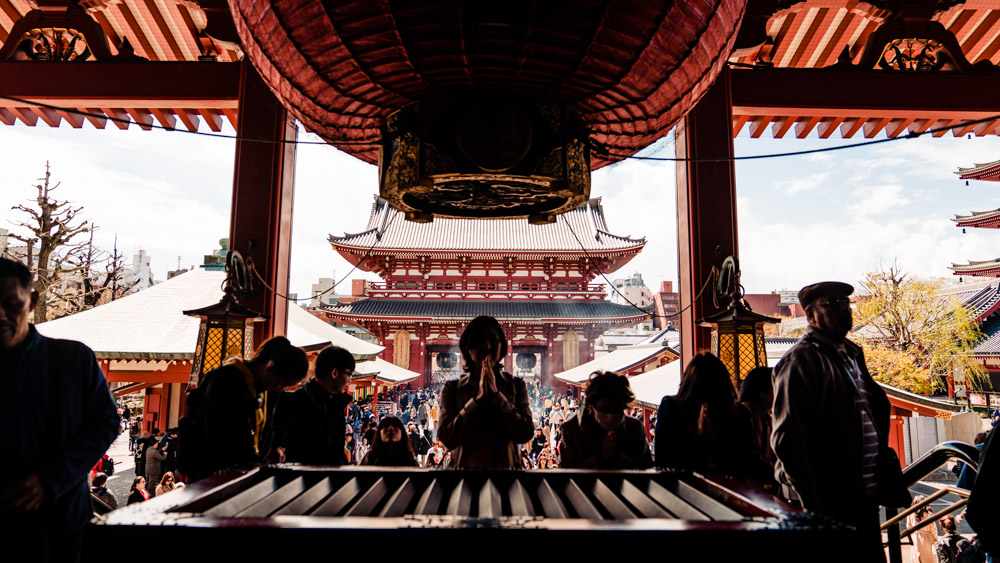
977	268
988	219
390	231
434	308
990	345
989	171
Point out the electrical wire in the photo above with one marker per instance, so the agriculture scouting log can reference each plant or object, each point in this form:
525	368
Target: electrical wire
126	121
598	150
713	274
912	135
378	238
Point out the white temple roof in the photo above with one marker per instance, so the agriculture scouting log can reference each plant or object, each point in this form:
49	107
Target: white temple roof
151	323
617	361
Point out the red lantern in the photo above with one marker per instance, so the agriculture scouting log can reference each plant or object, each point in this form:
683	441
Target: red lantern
488	107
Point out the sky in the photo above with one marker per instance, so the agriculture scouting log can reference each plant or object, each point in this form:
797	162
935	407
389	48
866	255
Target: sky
833	215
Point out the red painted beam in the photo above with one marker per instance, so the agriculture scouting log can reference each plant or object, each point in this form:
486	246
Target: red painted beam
123	84
260	225
706	207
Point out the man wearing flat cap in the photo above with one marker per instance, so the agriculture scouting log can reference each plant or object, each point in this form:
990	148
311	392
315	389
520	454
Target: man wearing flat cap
828	416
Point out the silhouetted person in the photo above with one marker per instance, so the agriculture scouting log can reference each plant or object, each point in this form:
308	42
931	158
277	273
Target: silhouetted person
829	415
703	428
484	414
309	422
231	407
601	436
757	395
57	418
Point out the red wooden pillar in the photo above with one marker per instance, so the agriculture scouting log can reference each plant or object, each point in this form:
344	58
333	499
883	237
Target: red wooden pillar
706	207
263	185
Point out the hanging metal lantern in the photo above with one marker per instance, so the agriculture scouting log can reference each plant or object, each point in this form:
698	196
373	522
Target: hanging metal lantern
488	108
525	362
738	339
226	330
447	360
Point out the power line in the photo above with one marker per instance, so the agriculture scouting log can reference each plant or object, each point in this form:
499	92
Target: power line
126	121
911	135
368	253
599	150
712	275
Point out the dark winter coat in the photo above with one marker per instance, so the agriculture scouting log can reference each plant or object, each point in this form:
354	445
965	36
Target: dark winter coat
309	423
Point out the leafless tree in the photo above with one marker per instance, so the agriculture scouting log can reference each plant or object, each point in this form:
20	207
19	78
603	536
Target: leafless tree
100	279
50	236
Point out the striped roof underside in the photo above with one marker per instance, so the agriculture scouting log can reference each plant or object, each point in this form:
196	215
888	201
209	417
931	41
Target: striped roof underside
158	30
983	219
814	33
389	232
989	172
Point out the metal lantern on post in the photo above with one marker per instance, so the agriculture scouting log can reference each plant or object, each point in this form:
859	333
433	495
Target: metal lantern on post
737	332
226	330
738	339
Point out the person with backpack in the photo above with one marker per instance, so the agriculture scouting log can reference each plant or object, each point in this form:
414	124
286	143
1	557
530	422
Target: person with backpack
948	547
227	412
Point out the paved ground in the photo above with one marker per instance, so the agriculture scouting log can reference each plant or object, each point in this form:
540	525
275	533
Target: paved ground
121	481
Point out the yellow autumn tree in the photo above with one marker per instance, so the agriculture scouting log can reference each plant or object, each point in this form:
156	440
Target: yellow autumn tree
913	335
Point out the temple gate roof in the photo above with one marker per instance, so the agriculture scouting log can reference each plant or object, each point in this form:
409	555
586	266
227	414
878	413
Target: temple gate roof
389	233
568	310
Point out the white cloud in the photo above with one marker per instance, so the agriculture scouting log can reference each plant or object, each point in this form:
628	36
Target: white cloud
876	200
803	184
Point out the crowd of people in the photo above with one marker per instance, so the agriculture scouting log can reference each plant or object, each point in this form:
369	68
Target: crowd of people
813	432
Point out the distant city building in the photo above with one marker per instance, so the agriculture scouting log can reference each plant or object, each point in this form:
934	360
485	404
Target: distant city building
666	305
632	290
139	276
784	303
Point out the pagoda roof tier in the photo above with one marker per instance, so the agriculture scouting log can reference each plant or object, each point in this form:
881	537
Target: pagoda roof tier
989	172
388	232
985	268
982	219
570	311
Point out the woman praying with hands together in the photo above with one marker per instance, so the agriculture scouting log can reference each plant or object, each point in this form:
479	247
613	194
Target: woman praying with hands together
484	414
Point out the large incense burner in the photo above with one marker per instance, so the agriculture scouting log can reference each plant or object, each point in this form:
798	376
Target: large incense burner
278	511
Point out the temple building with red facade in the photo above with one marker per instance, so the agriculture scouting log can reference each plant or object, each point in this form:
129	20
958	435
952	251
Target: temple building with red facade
535	279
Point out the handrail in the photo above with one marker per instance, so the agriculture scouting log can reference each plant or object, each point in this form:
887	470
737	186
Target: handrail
916	471
938	456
